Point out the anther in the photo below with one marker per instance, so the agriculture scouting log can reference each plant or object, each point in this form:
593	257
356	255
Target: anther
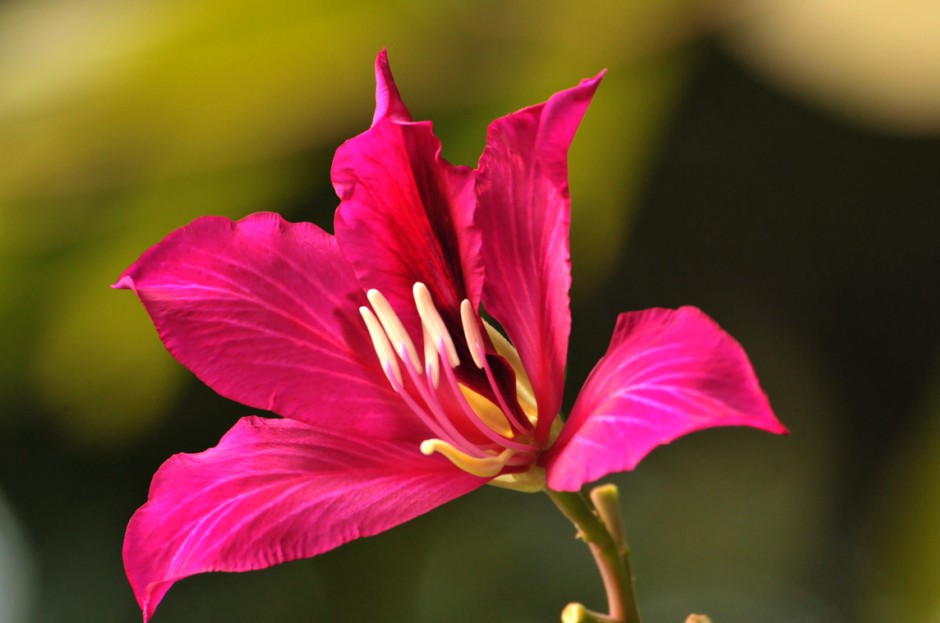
471	332
482	467
433	323
393	327
383	347
432	362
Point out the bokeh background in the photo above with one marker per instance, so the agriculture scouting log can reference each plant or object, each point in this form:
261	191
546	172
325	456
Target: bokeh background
774	162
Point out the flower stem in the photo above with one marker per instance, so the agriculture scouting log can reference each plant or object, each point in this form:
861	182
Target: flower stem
600	525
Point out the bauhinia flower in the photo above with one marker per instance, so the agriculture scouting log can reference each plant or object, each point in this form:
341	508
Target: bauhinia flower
396	392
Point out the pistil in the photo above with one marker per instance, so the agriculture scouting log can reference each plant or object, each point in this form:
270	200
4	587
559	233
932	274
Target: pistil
484	467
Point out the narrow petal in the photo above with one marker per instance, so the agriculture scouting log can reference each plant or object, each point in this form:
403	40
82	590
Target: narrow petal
666	373
274	491
387	99
406	213
266	313
524	210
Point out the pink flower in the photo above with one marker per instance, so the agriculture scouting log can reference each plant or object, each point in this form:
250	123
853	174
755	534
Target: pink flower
397	395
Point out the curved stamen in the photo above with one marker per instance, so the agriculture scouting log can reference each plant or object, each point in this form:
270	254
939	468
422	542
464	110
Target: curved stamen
432	368
394	329
434	323
474	416
484	468
436	420
382	347
487	412
502	401
471	331
423	396
435	410
524	394
475	343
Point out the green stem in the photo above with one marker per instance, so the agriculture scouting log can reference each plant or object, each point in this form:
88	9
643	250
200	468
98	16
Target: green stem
601	527
606	501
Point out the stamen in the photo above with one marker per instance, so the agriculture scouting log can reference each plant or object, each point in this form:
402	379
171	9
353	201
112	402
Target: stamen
432	362
498	394
484	468
430	416
433	413
524	394
489	413
383	347
392	325
472	332
477	421
433	322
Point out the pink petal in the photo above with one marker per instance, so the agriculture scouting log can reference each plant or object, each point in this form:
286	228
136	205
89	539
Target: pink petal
524	210
406	213
666	373
387	99
274	491
266	313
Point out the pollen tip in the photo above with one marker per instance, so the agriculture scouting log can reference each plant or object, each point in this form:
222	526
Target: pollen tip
433	371
393	327
433	324
472	332
383	349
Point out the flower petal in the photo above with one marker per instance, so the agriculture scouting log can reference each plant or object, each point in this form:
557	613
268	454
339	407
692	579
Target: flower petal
406	213
387	99
274	491
266	313
524	210
666	373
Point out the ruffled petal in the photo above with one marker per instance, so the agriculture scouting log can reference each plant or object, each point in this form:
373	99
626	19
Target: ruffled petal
524	210
666	373
265	312
274	491
406	214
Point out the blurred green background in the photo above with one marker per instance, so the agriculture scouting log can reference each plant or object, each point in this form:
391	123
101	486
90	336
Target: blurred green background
776	163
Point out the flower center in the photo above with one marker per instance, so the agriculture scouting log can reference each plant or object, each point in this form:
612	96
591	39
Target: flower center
478	433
